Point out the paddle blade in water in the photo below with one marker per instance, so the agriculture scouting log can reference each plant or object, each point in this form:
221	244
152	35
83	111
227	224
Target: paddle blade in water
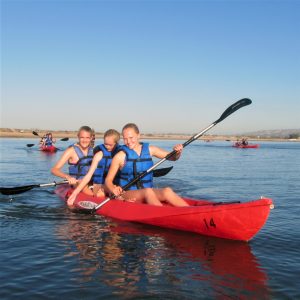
17	190
30	145
64	139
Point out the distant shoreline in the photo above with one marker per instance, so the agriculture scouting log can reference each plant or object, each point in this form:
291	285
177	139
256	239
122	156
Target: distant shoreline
27	133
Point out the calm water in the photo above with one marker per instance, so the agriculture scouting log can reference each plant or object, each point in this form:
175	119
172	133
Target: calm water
47	252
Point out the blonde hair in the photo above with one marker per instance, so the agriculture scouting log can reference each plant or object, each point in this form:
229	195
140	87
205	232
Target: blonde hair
87	129
114	133
132	126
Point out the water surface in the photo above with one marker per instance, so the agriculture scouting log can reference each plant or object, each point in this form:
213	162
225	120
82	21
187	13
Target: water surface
48	252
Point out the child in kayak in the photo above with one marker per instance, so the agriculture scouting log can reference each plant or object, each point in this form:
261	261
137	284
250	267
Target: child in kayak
237	143
244	142
79	157
43	141
103	155
133	159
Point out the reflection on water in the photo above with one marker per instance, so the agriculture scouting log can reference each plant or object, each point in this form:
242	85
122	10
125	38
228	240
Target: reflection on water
131	258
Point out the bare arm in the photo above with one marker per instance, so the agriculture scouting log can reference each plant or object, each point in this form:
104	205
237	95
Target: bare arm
161	153
56	170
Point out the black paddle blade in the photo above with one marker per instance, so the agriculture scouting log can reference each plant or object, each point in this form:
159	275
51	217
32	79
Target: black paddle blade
161	172
35	133
17	190
64	139
234	107
30	145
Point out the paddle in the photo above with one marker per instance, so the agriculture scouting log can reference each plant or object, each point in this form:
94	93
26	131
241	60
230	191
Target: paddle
25	188
35	133
231	109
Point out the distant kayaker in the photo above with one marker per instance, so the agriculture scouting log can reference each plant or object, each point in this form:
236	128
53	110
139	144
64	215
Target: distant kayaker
100	165
133	159
47	140
43	140
79	157
244	142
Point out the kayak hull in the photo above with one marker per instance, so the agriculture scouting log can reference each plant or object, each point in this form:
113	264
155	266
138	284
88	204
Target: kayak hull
50	149
235	221
246	146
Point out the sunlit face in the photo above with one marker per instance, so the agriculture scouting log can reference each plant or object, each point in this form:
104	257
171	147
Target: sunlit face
131	138
84	139
109	143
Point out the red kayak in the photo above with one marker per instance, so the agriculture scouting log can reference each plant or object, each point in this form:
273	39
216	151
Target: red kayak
48	148
232	220
246	146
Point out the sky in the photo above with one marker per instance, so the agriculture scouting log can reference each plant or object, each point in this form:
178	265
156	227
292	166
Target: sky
168	66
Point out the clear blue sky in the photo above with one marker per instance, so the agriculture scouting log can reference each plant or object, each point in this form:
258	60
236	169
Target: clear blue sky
169	66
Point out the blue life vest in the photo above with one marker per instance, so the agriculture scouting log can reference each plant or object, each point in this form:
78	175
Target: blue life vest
80	169
48	142
135	165
105	162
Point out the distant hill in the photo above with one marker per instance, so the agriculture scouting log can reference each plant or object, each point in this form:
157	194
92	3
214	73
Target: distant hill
278	133
285	134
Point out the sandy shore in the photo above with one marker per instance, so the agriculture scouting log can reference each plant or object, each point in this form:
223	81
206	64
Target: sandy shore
27	133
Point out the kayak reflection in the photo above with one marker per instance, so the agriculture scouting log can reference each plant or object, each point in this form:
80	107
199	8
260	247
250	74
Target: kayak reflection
126	256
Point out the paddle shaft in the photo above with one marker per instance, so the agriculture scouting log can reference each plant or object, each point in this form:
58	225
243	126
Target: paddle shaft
53	183
231	109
